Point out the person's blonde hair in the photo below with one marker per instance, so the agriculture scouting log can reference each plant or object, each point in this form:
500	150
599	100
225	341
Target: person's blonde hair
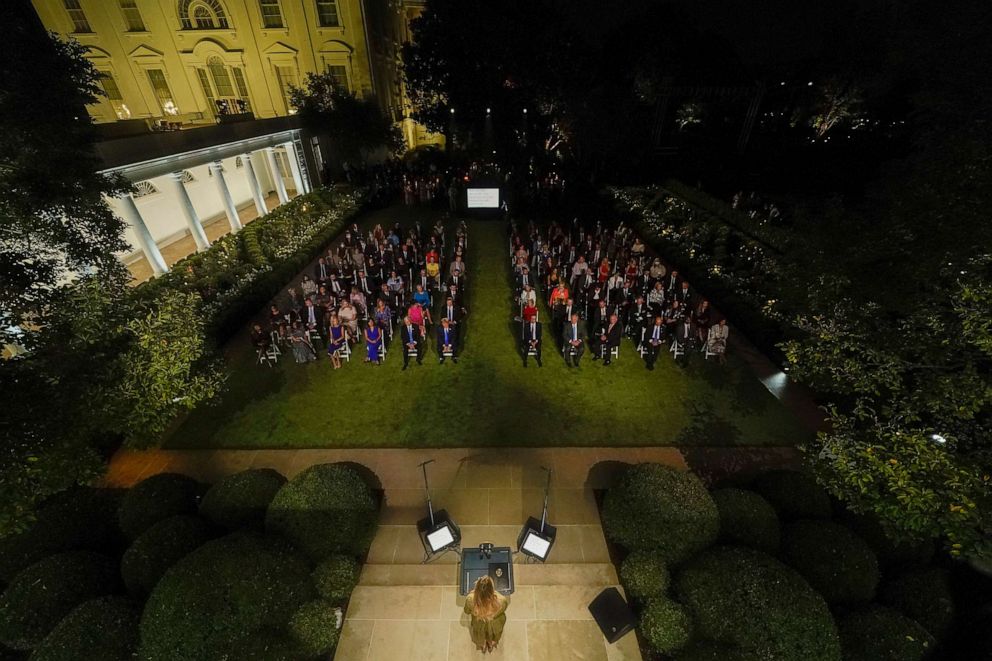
485	602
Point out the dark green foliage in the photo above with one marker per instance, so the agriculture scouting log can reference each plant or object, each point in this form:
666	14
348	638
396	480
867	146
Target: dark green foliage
882	634
156	498
158	548
666	625
890	552
314	627
77	519
44	593
747	519
707	650
836	562
335	578
104	629
794	495
266	645
325	509
241	500
224	591
924	596
748	599
644	575
658	508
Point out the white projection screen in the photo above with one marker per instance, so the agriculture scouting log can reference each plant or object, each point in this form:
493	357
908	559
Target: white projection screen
482	198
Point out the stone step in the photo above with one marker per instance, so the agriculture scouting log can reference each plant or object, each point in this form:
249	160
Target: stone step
600	574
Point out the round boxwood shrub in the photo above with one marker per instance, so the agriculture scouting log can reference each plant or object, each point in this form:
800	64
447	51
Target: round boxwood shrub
747	519
794	495
666	625
883	634
707	650
644	575
104	629
890	552
924	596
44	593
315	628
241	500
836	562
222	592
336	577
324	510
660	509
266	645
155	498
79	519
749	600
158	548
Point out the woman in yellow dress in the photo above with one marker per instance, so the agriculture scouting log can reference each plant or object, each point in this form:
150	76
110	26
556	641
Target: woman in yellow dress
488	610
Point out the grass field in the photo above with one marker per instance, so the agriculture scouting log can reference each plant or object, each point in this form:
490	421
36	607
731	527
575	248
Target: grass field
488	399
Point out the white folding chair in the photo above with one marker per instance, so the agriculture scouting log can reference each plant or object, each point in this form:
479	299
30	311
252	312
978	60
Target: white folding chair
676	349
266	357
345	351
274	343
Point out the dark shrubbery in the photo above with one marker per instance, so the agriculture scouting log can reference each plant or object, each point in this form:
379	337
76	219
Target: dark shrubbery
747	519
836	562
225	591
336	577
314	627
324	510
644	575
707	650
155	498
882	634
158	548
891	553
104	629
266	645
666	625
44	593
241	500
80	519
794	495
748	599
660	509
924	596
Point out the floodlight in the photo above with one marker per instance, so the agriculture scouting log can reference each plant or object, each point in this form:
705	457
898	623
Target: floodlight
452	111
438	533
535	545
488	110
537	537
441	538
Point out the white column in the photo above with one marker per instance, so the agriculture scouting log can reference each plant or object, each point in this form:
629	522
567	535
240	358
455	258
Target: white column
256	189
294	166
192	218
217	170
129	212
270	158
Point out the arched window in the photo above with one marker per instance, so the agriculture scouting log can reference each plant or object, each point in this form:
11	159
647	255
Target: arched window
225	87
202	15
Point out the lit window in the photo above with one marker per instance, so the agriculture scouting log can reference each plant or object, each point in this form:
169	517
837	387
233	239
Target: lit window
202	15
132	16
162	92
327	14
113	93
339	74
271	14
77	16
286	75
227	96
220	76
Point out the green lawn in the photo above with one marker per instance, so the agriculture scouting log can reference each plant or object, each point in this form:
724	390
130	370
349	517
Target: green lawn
488	399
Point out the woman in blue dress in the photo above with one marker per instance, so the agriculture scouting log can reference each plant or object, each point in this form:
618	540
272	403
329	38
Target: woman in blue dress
336	342
373	342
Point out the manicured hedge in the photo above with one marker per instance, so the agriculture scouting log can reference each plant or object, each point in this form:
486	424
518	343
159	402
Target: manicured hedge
657	508
707	650
924	596
326	509
44	593
266	645
666	625
74	520
158	548
336	577
156	498
747	519
794	495
890	552
225	591
836	562
241	500
644	575
883	634
314	627
104	629
749	600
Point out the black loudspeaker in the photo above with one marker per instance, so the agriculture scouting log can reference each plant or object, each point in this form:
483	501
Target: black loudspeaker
612	614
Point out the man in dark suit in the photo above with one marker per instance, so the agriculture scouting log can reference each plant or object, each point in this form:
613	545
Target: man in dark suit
685	335
312	316
366	285
523	280
573	339
654	337
451	312
322	272
561	314
532	340
610	338
412	342
447	341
